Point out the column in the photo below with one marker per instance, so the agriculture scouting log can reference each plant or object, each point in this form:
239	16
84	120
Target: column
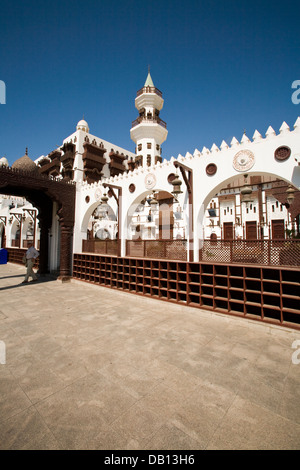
44	242
66	241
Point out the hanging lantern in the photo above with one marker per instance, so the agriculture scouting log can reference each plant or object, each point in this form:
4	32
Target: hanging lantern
176	186
104	199
153	201
290	194
246	190
102	208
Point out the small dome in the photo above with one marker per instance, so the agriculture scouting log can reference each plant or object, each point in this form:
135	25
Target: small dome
82	126
25	164
3	161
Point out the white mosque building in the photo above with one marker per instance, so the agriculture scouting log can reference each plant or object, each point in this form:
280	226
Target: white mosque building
240	190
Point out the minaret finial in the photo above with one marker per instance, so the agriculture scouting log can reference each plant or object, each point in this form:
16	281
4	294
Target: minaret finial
148	68
26	151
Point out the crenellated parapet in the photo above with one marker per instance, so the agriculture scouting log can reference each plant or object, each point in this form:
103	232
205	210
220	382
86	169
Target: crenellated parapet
270	135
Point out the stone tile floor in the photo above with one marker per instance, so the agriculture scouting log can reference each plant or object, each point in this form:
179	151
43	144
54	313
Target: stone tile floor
88	367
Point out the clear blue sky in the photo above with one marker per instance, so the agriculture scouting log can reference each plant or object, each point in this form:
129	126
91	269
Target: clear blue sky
223	66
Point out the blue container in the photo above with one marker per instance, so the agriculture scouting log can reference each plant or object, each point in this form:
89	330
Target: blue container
3	256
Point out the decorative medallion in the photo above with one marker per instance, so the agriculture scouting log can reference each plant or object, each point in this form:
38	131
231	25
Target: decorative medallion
131	188
211	169
243	160
87	199
150	181
282	153
98	194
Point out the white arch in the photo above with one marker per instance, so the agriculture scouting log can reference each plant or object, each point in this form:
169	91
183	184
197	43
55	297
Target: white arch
213	191
25	228
134	205
14	228
88	213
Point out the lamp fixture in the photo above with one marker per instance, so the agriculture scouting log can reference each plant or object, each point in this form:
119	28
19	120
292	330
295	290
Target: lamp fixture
290	194
104	199
176	186
246	190
153	201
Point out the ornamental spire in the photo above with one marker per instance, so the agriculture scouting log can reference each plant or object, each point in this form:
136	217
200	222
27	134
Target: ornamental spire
149	81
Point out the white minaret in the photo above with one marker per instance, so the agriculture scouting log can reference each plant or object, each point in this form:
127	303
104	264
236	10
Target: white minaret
148	130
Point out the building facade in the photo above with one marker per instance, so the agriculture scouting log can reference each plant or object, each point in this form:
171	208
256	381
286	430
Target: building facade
247	189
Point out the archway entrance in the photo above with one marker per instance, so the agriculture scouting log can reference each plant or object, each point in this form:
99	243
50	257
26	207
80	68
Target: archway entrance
251	207
48	196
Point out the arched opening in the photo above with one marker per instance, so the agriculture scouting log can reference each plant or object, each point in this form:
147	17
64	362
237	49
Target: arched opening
103	223
155	216
251	207
100	226
249	219
28	232
51	198
15	233
156	226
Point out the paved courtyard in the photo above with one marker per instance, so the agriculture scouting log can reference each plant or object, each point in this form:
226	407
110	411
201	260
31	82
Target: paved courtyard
88	367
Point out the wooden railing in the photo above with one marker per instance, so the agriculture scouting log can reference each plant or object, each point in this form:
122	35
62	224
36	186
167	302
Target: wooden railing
149	89
105	247
15	255
147	119
157	249
261	252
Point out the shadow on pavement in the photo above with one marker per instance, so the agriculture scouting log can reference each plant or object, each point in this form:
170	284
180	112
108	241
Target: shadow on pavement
41	280
8	277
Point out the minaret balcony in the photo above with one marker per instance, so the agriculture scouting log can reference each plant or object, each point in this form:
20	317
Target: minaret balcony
145	119
149	89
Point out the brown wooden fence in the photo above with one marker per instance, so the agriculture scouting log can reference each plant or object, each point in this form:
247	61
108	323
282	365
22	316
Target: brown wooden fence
15	255
157	249
262	252
105	247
